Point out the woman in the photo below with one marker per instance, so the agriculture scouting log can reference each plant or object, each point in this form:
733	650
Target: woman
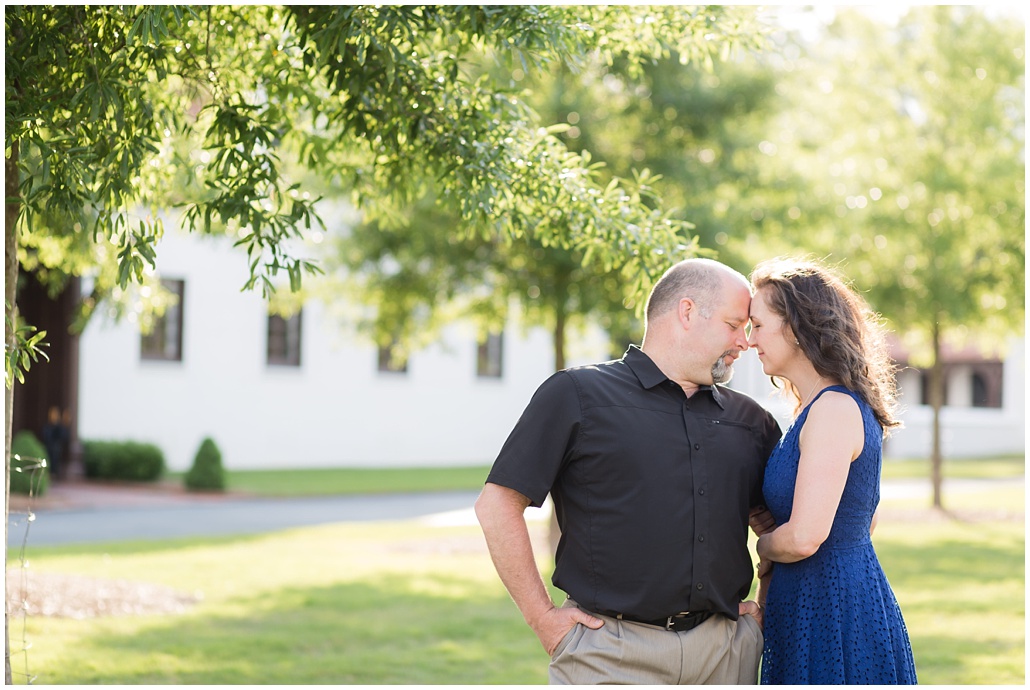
830	615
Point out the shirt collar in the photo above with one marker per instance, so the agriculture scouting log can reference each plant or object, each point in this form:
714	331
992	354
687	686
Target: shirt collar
649	375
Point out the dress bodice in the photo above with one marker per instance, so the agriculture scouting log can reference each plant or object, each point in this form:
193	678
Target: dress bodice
861	492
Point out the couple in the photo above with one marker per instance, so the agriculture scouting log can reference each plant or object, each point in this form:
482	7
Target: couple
656	474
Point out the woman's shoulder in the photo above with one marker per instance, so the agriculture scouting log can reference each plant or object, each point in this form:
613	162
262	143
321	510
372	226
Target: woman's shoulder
835	404
835	418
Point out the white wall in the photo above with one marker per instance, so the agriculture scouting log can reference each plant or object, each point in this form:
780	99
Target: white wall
335	410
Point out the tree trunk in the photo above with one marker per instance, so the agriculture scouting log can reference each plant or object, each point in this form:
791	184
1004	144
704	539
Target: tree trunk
936	404
11	209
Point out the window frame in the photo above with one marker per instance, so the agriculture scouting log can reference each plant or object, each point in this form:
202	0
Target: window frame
288	339
161	345
490	356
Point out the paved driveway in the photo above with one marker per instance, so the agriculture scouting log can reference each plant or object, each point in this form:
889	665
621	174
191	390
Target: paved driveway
190	516
79	514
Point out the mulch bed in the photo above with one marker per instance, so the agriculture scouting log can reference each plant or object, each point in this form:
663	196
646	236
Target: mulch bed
76	596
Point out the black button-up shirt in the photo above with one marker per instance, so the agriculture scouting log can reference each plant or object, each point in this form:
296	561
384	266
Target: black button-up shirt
651	489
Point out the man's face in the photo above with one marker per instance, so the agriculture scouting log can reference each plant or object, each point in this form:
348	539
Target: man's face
724	332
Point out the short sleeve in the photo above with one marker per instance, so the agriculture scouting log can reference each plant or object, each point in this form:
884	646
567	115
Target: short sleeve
769	436
541	441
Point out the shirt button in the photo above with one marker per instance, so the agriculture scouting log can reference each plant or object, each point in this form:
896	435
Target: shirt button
700	585
701	537
697	446
701	492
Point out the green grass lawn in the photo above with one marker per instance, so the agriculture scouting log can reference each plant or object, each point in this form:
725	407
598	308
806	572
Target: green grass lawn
318	482
410	603
956	468
347	481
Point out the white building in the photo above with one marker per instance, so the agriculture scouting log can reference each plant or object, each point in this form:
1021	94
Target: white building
985	409
308	392
304	392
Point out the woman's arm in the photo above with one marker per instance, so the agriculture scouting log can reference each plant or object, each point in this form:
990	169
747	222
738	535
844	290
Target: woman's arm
833	436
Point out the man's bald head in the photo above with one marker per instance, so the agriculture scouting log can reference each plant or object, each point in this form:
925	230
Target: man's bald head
702	280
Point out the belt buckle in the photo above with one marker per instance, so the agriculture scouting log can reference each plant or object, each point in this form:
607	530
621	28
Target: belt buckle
668	621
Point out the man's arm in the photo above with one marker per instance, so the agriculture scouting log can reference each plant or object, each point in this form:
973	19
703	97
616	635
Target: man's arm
500	511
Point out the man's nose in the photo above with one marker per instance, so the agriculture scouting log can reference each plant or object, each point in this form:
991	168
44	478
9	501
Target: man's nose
743	342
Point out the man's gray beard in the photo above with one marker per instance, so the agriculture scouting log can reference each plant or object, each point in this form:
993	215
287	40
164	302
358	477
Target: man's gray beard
721	371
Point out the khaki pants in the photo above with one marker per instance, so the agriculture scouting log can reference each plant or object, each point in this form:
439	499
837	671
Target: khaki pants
720	651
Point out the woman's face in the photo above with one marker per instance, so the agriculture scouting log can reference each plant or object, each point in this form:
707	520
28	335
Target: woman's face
770	336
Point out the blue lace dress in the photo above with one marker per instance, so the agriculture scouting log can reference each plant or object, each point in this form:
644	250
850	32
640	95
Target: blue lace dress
832	618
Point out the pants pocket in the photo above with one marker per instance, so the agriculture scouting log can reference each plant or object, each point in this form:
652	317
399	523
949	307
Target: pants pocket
756	629
564	644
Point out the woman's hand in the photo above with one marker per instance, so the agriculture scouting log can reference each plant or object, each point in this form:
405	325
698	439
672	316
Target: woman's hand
765	570
761	520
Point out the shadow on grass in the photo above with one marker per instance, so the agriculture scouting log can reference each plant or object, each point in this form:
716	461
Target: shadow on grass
959	660
954	560
354	633
974	592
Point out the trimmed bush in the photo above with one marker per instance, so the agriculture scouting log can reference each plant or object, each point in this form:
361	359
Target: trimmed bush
207	473
125	460
29	480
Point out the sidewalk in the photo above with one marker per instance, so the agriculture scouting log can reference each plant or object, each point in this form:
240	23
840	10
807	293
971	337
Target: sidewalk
88	512
81	494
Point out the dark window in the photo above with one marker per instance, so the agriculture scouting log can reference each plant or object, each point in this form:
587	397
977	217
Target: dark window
284	339
987	384
164	342
391	360
924	375
979	385
490	358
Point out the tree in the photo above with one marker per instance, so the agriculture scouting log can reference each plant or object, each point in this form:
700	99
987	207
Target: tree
665	116
106	105
416	275
700	130
420	276
955	256
912	145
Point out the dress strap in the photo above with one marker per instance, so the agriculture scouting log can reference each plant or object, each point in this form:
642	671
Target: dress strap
841	389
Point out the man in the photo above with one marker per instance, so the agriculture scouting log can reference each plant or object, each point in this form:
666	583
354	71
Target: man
653	470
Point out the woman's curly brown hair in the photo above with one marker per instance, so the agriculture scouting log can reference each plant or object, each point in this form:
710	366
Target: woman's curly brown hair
835	329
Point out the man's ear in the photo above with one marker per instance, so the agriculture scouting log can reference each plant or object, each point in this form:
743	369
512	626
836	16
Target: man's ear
687	312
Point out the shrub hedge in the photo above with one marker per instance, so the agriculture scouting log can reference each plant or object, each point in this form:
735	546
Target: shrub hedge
28	480
125	460
207	473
